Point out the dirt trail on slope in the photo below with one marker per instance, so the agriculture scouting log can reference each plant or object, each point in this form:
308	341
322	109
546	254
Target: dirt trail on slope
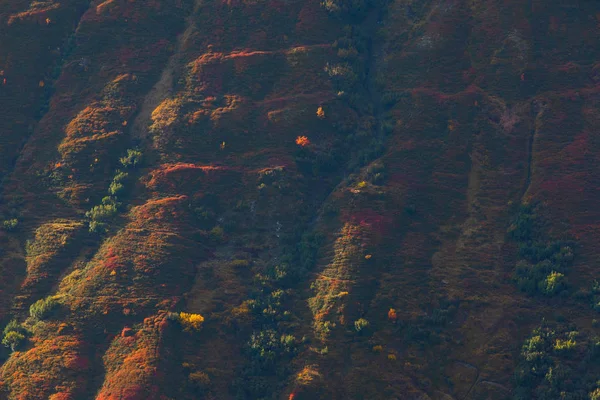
164	87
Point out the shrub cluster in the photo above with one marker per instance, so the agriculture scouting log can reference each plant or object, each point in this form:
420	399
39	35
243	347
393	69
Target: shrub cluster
543	262
99	216
266	301
10	225
270	347
133	159
117	186
557	362
350	74
361	325
43	308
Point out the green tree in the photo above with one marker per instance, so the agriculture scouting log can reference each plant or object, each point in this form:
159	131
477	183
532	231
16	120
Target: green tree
133	158
361	325
43	308
553	284
13	340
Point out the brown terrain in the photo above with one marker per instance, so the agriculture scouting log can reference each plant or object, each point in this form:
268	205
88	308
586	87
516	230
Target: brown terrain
296	199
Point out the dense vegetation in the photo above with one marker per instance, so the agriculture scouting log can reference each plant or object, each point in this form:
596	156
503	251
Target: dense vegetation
558	361
543	262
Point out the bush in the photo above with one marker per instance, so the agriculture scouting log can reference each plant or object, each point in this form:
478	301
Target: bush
542	262
555	366
564	346
13	335
10	225
13	326
191	322
553	284
97	227
267	345
117	186
43	308
133	158
13	340
120	177
524	223
361	325
102	213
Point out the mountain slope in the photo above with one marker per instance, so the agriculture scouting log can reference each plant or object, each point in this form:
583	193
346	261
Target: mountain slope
299	199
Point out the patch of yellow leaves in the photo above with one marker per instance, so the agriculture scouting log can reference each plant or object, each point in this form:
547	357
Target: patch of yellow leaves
191	322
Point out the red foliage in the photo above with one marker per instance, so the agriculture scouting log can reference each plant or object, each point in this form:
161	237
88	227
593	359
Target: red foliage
62	396
79	363
132	365
112	262
373	223
54	361
185	175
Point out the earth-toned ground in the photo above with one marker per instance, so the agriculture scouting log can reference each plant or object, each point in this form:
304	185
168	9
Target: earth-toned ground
296	199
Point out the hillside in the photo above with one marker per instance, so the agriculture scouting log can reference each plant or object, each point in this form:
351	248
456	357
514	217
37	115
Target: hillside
299	199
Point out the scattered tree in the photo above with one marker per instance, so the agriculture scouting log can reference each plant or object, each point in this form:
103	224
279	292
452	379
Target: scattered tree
13	340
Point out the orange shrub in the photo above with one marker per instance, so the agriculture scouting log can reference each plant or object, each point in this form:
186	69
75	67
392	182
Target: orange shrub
302	141
392	316
320	113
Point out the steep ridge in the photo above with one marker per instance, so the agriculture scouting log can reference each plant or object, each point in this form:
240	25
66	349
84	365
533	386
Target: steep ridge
36	38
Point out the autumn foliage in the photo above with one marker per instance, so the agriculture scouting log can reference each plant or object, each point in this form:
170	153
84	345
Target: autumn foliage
302	141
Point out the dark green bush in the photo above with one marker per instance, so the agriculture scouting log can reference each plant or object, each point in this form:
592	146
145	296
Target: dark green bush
13	340
555	363
13	335
554	283
542	263
10	225
13	325
43	308
524	224
267	346
102	213
133	158
117	186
